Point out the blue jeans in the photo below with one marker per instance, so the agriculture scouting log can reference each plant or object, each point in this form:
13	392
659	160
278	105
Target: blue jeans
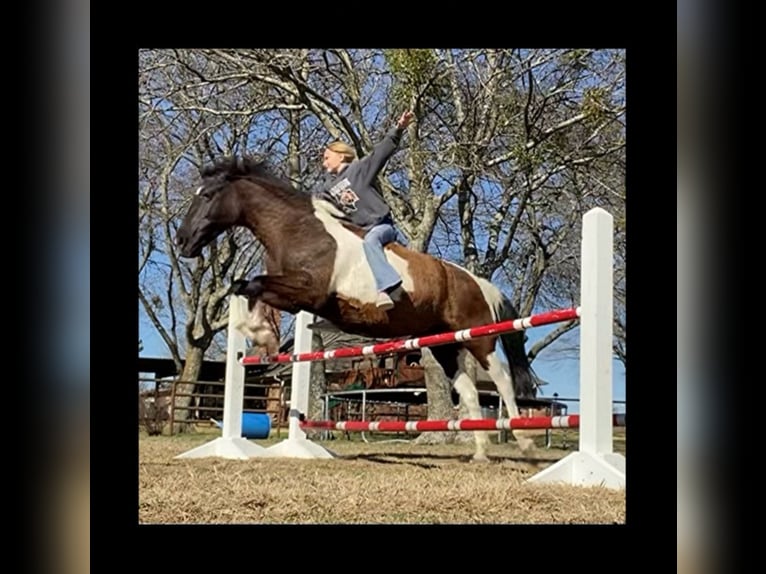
385	275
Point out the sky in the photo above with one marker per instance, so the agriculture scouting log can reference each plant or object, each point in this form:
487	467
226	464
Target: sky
560	370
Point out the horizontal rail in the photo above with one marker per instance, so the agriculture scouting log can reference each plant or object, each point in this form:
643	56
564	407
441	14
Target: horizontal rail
531	423
419	342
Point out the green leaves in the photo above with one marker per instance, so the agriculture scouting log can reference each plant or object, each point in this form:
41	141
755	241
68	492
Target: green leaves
413	73
595	104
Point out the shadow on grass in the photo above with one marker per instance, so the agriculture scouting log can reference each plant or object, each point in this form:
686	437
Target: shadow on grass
421	460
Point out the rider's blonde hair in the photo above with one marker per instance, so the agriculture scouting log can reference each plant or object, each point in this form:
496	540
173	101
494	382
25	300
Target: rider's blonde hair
343	149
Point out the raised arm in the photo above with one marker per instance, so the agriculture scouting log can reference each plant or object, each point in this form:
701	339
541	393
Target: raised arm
371	165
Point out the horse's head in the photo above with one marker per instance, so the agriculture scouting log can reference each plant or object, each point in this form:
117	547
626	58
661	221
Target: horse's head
240	191
214	208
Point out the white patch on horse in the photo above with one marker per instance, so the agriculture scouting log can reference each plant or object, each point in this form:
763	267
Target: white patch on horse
492	295
253	324
501	376
465	384
352	276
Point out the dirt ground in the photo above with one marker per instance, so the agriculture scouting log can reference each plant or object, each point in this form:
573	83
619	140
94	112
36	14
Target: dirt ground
367	483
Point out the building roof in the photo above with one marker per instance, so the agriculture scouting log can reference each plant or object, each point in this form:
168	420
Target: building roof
162	367
165	367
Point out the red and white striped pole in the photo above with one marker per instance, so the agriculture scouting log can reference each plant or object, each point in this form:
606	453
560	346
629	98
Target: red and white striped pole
556	316
529	423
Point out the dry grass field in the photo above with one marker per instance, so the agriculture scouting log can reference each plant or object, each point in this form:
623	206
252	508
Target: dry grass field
376	482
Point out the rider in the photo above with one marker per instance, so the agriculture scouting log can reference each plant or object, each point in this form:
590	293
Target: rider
350	184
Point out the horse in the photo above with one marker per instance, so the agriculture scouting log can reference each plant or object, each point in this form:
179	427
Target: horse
316	263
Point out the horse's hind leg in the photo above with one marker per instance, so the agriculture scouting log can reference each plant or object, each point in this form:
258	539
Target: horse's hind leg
452	360
466	387
483	350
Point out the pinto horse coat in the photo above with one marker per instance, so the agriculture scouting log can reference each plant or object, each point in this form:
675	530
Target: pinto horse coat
316	264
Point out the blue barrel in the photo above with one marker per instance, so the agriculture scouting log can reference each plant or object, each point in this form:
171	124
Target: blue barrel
254	425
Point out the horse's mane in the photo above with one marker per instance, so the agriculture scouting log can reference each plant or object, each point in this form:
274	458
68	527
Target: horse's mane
238	166
256	170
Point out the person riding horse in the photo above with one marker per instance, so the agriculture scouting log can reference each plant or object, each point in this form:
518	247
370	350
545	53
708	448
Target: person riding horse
350	184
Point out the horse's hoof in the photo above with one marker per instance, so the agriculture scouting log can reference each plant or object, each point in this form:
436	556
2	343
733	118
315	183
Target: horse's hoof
251	289
525	444
239	286
480	458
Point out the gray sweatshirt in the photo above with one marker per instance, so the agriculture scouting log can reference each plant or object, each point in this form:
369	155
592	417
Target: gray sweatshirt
354	190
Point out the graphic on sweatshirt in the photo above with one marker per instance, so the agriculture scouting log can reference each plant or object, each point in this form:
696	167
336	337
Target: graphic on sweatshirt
344	195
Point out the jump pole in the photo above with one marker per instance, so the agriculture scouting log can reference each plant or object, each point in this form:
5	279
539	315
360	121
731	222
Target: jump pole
595	463
528	423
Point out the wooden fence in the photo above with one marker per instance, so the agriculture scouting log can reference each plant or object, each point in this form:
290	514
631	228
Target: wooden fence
158	406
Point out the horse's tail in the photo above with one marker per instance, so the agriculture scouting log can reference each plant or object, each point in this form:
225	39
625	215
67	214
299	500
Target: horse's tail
525	381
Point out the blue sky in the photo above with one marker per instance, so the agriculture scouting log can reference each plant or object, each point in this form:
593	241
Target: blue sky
560	370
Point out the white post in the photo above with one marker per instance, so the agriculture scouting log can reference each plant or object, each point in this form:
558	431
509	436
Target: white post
234	388
299	390
596	333
231	444
594	463
297	445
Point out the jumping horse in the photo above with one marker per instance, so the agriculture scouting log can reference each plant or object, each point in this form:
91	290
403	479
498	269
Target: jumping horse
316	263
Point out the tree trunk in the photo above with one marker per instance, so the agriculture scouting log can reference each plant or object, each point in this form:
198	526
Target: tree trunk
467	437
317	386
190	374
440	405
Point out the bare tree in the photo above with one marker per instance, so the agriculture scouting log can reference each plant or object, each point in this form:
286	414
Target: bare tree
186	302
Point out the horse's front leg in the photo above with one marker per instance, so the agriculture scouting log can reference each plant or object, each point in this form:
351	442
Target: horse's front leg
290	292
250	288
253	321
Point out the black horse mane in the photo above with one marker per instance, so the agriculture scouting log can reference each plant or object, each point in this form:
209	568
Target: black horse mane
246	167
238	166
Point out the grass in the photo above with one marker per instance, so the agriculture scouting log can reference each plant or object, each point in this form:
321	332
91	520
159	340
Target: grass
374	482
